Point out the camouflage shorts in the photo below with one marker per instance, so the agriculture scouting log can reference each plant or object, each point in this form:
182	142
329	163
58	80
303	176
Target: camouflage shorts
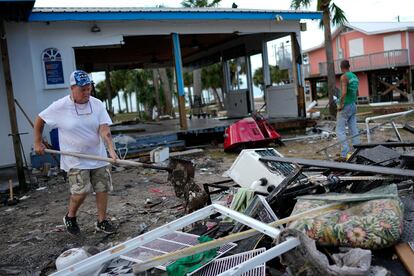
82	180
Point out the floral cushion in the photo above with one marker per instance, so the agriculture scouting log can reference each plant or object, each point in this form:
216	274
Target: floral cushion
369	224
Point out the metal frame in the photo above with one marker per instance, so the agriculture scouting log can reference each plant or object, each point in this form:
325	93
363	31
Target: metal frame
385	144
93	263
342	166
278	250
219	188
223	264
392	115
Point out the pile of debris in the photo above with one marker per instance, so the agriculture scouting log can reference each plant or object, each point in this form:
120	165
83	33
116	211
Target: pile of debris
319	217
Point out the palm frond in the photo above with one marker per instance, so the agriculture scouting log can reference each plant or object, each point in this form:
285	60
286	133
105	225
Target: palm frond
200	3
337	15
297	4
214	3
188	3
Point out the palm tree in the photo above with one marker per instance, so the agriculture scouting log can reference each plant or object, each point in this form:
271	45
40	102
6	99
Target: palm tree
156	83
102	93
119	82
197	72
212	77
331	13
166	89
276	76
188	82
141	82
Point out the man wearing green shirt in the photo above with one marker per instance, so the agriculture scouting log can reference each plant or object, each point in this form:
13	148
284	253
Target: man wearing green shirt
347	109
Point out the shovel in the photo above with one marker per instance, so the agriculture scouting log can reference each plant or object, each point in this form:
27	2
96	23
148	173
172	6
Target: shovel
180	171
12	199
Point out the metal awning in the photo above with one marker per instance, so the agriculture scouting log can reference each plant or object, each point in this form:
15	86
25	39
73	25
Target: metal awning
116	14
154	51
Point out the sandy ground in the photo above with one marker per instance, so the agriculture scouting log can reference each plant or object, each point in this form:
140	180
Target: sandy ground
32	233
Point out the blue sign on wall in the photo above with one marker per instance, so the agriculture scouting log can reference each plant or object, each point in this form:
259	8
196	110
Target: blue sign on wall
52	61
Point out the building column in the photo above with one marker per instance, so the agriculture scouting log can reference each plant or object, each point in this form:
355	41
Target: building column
226	81
409	84
266	69
300	92
250	83
12	108
180	80
313	91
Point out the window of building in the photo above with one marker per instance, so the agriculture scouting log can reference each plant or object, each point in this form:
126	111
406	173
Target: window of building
392	42
356	47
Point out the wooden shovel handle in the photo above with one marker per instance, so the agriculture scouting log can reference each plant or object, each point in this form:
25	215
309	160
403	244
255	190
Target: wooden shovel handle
99	158
11	189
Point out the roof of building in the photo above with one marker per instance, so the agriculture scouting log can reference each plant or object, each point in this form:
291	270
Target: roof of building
87	14
370	28
15	10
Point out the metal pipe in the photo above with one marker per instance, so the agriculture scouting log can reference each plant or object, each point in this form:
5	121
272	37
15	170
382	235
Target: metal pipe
246	220
367	120
341	166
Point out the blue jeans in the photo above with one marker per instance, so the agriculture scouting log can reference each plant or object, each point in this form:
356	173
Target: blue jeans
347	116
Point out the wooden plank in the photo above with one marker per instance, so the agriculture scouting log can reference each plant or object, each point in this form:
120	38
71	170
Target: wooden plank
406	255
385	144
300	92
392	87
12	108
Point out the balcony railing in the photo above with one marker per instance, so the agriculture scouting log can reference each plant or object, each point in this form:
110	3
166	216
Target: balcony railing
387	59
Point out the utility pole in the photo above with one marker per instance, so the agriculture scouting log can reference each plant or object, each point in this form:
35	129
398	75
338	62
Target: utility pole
11	107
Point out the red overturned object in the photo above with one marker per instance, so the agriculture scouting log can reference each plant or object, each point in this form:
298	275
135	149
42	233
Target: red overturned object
250	132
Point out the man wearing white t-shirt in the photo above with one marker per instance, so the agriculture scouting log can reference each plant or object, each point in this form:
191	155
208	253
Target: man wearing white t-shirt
83	125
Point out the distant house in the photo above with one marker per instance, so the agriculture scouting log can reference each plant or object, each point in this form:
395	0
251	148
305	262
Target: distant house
381	54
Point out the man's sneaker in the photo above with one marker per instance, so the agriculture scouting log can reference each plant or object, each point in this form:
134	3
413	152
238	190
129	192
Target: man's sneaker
71	225
105	226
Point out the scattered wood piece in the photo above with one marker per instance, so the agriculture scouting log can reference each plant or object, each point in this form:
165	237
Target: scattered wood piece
406	255
364	113
152	204
191	151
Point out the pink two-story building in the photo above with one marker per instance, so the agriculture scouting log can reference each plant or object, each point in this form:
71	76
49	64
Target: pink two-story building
381	54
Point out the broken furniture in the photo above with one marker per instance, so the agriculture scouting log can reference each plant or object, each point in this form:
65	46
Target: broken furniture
95	262
250	132
371	220
306	259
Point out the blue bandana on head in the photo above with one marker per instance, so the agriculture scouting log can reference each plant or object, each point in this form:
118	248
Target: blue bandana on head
79	78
